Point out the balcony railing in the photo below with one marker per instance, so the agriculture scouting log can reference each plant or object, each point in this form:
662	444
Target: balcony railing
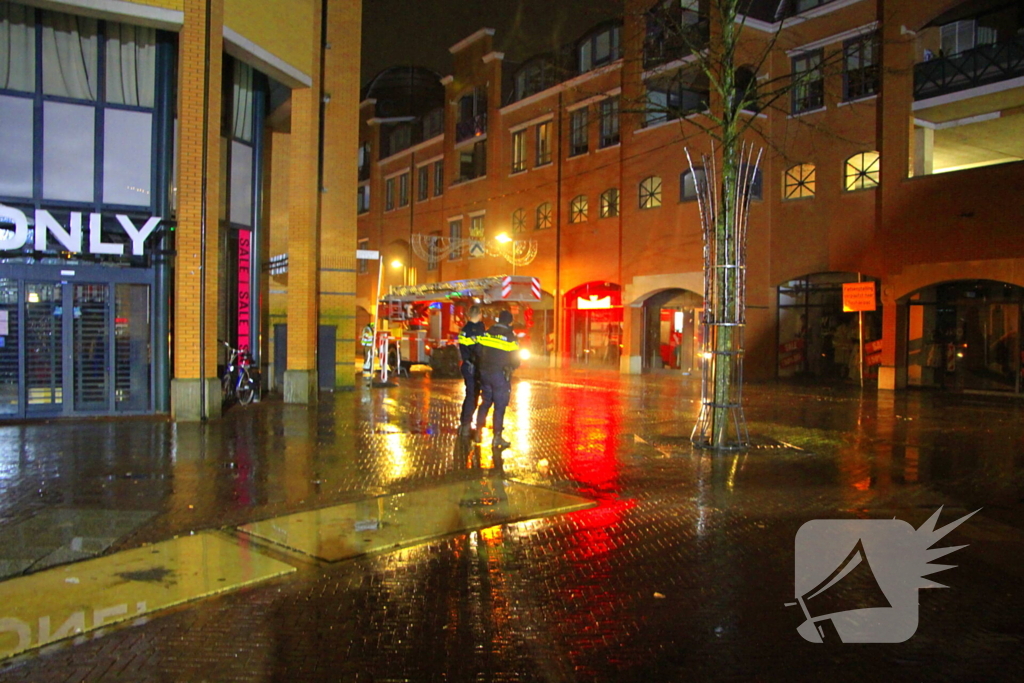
470	128
983	65
675	43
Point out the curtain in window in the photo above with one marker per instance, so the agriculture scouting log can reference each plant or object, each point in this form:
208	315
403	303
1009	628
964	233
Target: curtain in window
70	56
17	48
242	106
131	64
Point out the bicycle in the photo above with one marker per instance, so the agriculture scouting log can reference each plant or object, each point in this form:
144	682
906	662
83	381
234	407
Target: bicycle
239	381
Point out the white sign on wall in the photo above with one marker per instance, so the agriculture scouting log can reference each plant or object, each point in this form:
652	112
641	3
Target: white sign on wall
71	239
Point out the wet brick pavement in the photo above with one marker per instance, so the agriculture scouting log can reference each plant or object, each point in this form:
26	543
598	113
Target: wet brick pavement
567	598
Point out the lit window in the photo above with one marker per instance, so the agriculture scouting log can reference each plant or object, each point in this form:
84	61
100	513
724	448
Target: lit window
519	151
691	184
650	192
862	171
543	143
544	216
578	209
610	203
518	221
799	182
808	82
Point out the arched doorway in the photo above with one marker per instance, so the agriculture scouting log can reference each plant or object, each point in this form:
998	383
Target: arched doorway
593	324
670	331
965	335
817	339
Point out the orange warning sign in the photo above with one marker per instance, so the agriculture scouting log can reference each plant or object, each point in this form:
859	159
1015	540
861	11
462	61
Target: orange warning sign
858	296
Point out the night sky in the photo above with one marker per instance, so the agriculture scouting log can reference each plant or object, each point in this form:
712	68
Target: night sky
419	32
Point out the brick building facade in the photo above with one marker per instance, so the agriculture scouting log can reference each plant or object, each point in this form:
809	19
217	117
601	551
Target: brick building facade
893	159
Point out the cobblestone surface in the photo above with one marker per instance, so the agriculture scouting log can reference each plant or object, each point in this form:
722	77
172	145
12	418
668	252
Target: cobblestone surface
680	573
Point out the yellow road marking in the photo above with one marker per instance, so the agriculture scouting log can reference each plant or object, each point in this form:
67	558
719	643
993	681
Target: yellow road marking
72	599
405	519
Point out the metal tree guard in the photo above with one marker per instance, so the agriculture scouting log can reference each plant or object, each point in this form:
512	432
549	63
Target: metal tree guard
721	424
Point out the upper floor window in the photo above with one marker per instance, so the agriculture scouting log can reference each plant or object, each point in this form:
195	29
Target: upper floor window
578	132
578	209
675	29
363	198
610	122
472	115
438	178
535	76
599	49
519	151
364	161
518	221
808	82
455	235
691	184
422	183
963	35
804	5
363	265
544	143
650	192
544	216
860	67
389	194
610	203
433	123
403	189
670	100
863	171
473	161
92	145
798	182
399	138
433	240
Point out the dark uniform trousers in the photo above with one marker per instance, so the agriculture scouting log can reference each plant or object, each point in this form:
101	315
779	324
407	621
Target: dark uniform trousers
469	375
495	390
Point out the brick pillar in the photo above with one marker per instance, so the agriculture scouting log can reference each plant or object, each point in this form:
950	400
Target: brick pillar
300	382
196	279
338	203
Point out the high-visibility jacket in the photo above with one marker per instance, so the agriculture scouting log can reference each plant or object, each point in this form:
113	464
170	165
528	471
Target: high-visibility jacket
367	338
468	341
499	349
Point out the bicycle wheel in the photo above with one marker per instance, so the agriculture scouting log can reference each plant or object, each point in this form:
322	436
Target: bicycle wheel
246	389
225	387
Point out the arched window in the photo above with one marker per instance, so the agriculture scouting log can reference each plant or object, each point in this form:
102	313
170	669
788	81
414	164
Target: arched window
544	216
862	171
691	183
599	48
578	209
650	192
518	221
610	203
798	182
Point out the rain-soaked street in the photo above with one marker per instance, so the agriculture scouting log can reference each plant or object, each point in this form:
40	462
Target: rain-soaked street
600	546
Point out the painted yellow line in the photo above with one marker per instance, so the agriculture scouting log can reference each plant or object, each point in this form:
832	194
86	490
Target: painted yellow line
405	519
66	601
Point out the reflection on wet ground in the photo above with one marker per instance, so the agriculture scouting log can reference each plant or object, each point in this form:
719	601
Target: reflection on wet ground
679	572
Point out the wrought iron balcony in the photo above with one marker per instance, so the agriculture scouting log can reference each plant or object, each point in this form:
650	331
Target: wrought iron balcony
983	65
470	128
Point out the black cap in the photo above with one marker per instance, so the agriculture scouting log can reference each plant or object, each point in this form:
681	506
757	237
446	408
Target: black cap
505	318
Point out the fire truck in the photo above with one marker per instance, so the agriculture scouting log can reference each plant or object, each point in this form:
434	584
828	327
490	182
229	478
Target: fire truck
425	319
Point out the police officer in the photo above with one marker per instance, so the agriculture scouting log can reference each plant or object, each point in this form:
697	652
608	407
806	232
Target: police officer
499	356
468	349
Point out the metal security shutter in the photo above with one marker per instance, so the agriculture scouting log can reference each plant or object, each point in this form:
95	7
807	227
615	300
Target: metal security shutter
91	335
44	346
9	398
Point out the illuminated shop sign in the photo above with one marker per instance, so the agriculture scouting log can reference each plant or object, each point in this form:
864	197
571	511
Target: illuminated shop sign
71	239
593	303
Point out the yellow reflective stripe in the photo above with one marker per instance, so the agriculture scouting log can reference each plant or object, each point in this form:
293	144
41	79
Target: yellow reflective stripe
466	341
497	343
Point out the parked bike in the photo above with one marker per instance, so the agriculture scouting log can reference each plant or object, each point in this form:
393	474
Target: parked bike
240	381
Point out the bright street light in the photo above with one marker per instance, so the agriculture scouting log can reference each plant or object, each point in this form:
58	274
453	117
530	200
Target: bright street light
397	264
503	238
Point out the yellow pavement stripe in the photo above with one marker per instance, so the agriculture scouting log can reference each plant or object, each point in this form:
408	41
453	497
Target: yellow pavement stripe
72	599
404	519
